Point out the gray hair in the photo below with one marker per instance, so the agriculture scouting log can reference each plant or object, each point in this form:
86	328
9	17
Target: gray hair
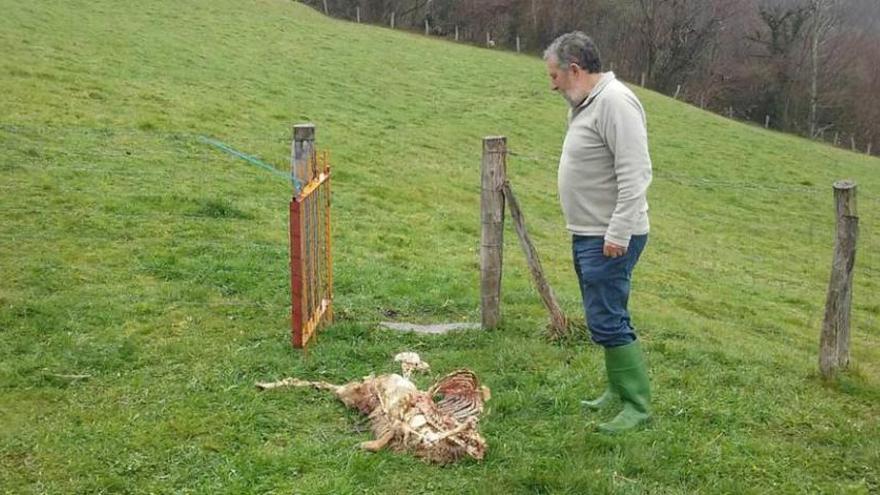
575	47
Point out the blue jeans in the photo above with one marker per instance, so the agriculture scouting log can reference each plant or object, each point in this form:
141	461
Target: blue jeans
605	284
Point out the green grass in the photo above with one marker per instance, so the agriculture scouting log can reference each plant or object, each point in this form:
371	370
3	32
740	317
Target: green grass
133	253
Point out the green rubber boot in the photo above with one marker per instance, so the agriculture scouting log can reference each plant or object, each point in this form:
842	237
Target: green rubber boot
628	378
600	402
603	400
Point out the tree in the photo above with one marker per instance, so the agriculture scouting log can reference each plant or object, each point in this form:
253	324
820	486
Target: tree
781	38
822	23
673	37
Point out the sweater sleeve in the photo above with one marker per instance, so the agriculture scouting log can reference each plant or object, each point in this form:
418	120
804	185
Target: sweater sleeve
625	133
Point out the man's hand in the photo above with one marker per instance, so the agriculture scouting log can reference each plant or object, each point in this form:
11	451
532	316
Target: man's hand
613	250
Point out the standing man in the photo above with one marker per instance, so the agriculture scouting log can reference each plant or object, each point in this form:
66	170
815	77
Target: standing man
604	173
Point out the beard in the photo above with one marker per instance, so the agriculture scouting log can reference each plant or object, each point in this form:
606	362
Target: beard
572	98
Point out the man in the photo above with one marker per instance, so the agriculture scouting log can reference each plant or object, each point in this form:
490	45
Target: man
604	173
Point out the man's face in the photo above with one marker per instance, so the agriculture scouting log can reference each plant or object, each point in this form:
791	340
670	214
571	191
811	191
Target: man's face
562	81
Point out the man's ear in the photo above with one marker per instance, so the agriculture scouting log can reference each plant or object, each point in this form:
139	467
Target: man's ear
573	67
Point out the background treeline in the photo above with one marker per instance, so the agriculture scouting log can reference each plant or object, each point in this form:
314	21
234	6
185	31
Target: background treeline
810	67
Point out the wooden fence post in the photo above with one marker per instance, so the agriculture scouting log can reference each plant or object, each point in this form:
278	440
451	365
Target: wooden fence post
358	13
392	20
456	32
834	340
494	173
427	28
300	163
301	154
517	45
643	80
558	322
326	10
766	122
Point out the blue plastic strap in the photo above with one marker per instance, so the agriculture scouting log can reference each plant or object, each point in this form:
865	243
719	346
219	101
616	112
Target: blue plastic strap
253	161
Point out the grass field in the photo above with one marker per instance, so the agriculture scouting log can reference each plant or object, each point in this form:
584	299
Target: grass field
156	267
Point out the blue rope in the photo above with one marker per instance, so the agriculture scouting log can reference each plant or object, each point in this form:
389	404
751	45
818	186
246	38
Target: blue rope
253	161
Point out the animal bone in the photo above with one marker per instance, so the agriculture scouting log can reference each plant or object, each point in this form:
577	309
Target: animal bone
409	362
406	419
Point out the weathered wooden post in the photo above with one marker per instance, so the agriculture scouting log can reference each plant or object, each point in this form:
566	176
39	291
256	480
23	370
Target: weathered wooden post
643	80
300	162
766	122
558	322
456	32
852	142
392	20
730	112
834	341
357	11
326	10
494	173
427	28
517	45
301	154
677	90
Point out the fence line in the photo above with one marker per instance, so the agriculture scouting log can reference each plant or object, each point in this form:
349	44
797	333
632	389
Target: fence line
697	182
179	137
87	213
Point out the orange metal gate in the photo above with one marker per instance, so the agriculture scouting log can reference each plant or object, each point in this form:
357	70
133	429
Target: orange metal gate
311	263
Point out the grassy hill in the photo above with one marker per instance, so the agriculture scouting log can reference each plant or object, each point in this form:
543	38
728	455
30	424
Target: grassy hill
155	268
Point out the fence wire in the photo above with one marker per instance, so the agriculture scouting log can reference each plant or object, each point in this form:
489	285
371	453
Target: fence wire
698	182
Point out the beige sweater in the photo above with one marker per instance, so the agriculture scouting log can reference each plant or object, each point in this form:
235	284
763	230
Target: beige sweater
605	169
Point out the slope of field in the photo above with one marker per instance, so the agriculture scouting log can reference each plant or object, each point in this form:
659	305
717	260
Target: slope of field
144	281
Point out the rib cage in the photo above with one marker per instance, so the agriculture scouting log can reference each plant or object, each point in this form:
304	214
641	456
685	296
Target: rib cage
460	395
438	425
